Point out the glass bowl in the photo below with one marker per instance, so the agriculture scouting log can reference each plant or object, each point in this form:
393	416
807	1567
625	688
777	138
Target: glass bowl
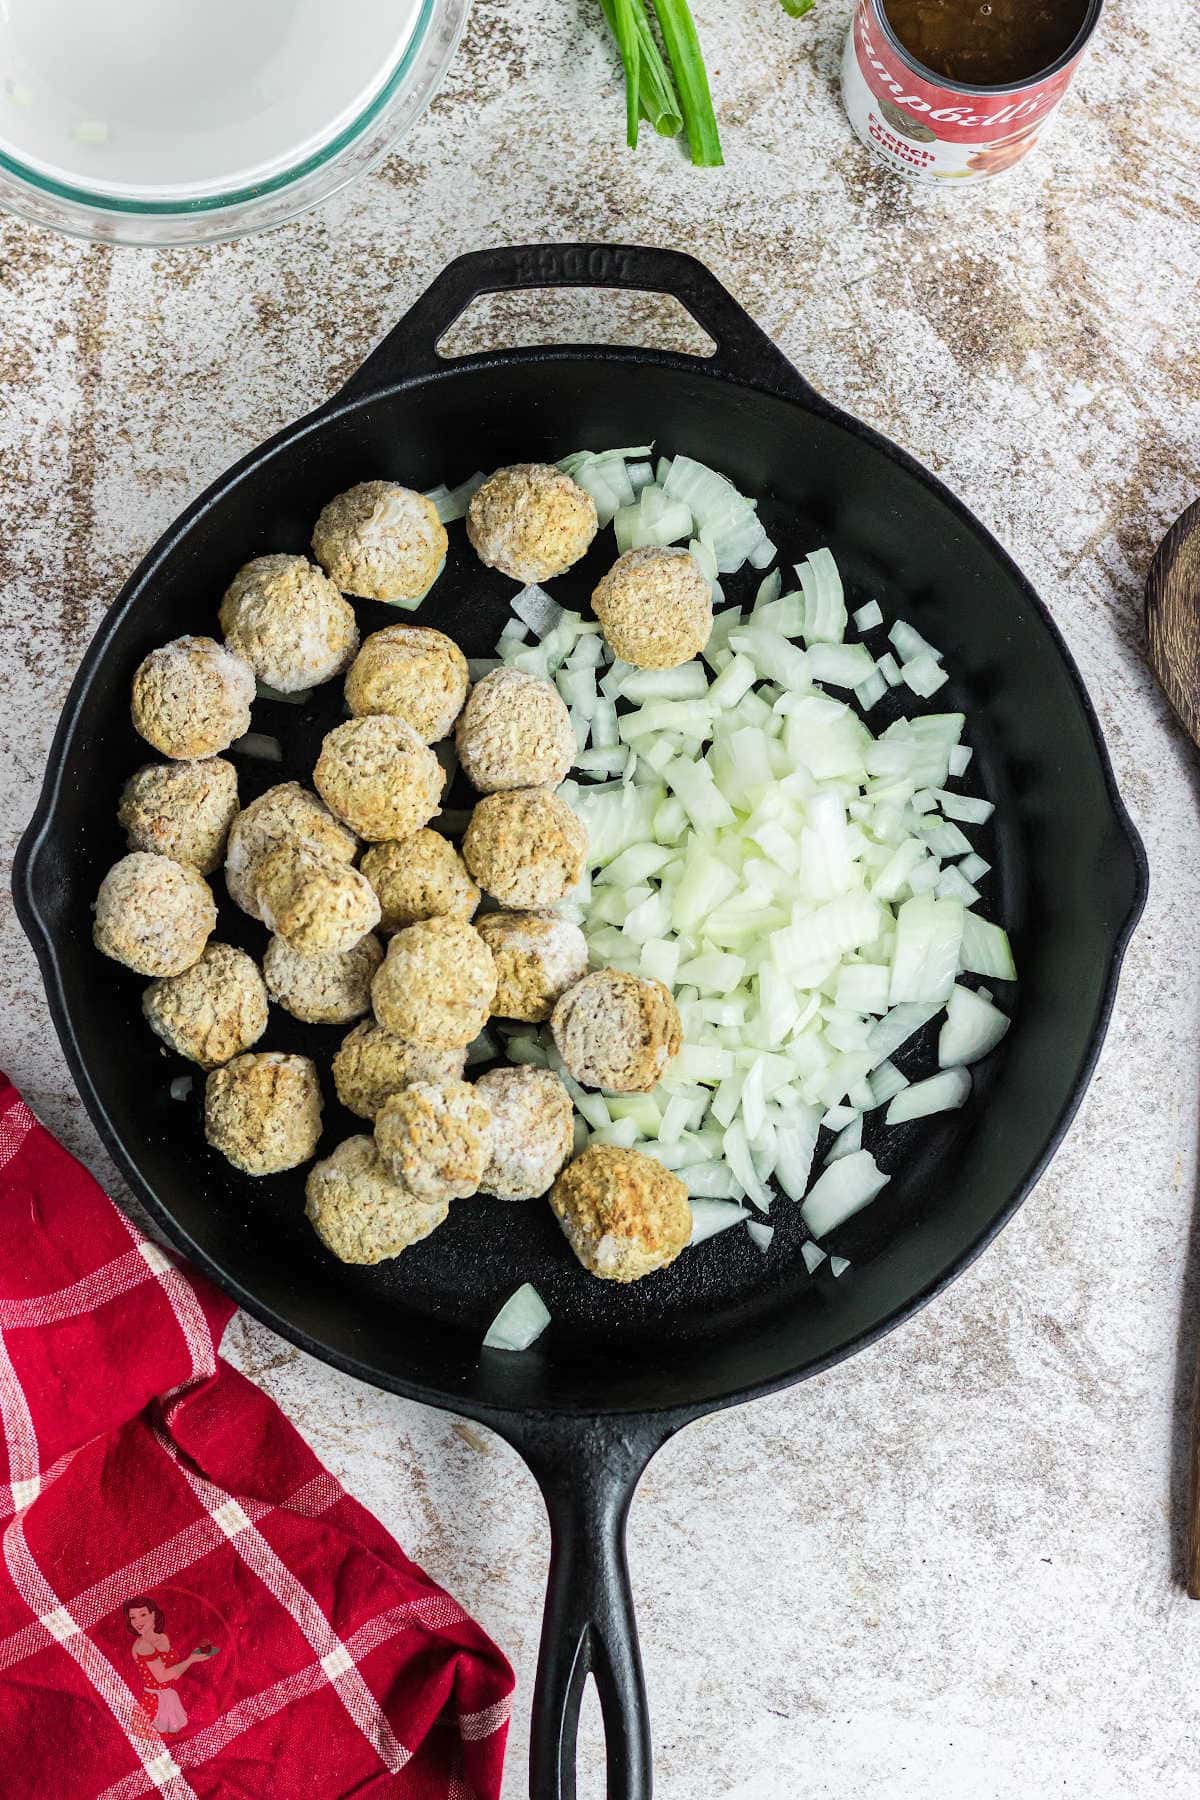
221	214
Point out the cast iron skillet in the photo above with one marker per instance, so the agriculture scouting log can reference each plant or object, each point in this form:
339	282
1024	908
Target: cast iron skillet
620	1370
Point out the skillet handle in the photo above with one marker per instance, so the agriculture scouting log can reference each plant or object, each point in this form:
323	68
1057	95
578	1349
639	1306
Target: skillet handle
588	1470
744	351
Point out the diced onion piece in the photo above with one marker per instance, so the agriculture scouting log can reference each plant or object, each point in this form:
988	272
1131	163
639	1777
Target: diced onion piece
296	697
712	1216
481	1049
847	1140
824	601
841	1190
520	1321
973	868
965	809
973	1027
909	644
869	616
452	503
737	1155
986	950
870	692
885	1081
924	676
891	1032
838	1266
813	1256
181	1087
929	935
760	1234
259	745
795	1141
960	758
841	665
940	1093
889	668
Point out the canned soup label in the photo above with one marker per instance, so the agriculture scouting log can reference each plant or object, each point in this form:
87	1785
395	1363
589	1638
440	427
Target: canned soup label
932	132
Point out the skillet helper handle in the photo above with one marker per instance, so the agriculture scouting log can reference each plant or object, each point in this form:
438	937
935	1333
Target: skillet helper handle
588	1475
1192	1571
744	351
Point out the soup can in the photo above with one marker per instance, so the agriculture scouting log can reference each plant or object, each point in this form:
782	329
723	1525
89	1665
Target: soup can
932	129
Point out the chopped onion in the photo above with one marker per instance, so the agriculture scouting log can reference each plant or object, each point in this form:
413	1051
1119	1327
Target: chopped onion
259	745
296	697
452	503
963	808
537	609
181	1087
985	949
481	1049
869	616
712	1216
940	1093
847	1140
973	1027
838	1266
519	1323
924	676
842	1190
760	1234
813	1255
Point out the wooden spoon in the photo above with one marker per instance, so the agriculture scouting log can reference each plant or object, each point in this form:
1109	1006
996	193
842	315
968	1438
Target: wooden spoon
1173	634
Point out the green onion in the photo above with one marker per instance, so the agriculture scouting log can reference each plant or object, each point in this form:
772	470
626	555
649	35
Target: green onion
667	98
687	64
796	9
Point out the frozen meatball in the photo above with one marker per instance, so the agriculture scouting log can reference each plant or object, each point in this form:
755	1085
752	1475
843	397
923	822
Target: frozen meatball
538	957
381	542
373	1063
182	810
421	877
435	1138
192	698
213	1011
623	1214
533	1127
316	904
263	1111
617	1031
379	777
515	732
359	1213
328	989
525	847
289	622
655	607
287	814
413	673
154	915
437	983
531	521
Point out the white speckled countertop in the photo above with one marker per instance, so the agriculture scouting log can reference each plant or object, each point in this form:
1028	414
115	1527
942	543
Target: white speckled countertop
944	1570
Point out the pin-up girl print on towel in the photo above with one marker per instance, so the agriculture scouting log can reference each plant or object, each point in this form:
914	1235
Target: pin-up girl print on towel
161	1706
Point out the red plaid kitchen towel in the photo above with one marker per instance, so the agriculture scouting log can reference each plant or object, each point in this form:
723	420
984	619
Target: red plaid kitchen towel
189	1603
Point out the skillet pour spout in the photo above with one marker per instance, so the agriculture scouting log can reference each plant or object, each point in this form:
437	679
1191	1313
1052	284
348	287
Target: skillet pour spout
620	1369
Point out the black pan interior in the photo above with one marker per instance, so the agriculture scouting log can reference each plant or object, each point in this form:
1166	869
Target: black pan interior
724	1318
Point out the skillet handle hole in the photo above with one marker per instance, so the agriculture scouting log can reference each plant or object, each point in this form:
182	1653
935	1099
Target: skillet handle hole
538	316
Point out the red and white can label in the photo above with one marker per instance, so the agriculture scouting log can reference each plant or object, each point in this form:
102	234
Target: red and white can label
934	133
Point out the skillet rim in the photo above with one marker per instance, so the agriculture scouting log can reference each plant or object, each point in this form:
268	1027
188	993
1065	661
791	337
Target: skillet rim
510	1419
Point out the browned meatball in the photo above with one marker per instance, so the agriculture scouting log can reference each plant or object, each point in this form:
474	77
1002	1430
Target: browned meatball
435	1138
379	777
373	1063
617	1031
191	698
515	732
153	915
655	607
263	1111
623	1214
212	1011
525	848
316	904
532	1131
531	521
437	983
538	957
182	810
413	673
359	1213
419	877
381	541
